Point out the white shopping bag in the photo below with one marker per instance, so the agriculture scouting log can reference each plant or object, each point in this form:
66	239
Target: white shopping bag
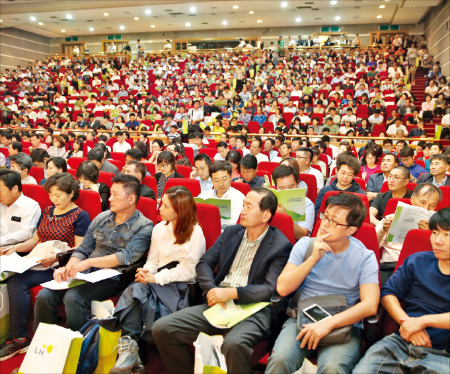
307	368
208	356
53	349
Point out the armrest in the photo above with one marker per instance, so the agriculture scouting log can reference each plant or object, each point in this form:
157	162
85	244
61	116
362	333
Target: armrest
63	257
375	318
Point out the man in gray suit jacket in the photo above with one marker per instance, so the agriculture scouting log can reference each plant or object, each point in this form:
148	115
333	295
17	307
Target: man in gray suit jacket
439	167
249	258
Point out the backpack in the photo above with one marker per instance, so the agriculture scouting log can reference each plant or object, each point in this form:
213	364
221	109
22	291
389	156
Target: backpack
88	360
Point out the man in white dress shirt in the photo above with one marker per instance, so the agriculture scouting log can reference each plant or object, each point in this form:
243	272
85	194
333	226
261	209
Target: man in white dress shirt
255	150
19	214
220	172
202	162
121	145
304	156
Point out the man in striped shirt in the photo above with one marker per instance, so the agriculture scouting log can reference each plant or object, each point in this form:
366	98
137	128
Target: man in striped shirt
242	266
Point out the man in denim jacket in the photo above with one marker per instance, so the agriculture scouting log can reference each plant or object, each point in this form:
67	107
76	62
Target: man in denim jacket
115	239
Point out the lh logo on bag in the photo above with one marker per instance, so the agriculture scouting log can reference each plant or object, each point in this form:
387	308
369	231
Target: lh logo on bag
41	351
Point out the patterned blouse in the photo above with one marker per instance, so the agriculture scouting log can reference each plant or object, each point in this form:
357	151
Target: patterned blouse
63	227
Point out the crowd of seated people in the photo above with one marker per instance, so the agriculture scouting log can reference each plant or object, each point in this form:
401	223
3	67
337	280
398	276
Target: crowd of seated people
347	186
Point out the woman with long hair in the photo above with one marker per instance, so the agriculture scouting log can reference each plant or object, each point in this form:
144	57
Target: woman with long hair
76	151
234	158
87	174
165	163
161	286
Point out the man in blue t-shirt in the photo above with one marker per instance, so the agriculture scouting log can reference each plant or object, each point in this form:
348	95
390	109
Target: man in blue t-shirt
338	265
422	283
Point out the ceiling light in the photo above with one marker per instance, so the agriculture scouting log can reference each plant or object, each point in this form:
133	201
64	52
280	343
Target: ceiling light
68	16
379	16
152	26
224	22
284	4
251	12
334	2
106	14
382	6
192	9
188	24
91	29
235	6
122	27
62	30
32	18
148	11
136	18
337	18
298	19
40	24
259	21
1	20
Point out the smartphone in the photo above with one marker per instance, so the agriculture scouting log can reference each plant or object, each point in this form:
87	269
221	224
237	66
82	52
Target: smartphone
316	313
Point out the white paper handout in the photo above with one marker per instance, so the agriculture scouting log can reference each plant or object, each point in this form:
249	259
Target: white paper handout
16	263
406	217
81	278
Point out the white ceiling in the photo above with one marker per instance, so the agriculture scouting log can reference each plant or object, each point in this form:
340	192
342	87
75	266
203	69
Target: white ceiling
208	14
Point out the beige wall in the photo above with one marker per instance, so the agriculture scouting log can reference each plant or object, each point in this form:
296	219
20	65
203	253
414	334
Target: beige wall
17	47
436	29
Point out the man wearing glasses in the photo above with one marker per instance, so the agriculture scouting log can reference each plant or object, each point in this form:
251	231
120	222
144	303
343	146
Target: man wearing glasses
407	159
397	179
426	196
338	265
304	157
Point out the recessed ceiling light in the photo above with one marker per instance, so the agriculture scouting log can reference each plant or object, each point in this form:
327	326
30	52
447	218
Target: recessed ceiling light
298	19
148	11
122	27
382	6
40	24
235	6
379	16
136	18
91	29
259	21
337	18
32	18
333	2
188	24
192	9
224	22
68	16
106	14
251	12
62	30
284	4
152	26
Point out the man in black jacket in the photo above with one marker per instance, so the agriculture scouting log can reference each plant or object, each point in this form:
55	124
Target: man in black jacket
138	170
248	258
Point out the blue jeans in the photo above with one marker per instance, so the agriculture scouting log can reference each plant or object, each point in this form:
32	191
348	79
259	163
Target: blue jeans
19	299
77	301
393	354
287	356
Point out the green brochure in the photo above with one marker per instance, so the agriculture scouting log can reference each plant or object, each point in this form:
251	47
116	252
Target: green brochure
294	201
224	205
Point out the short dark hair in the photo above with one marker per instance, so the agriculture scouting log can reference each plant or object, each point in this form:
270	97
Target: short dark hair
284	171
140	167
440	220
89	171
439	145
96	154
119	133
353	203
350	161
65	182
242	138
234	157
308	151
407	152
203	157
10	179
258	139
397	160
39	155
272	140
220	166
426	188
130	184
17	146
387	141
222	144
23	160
403	170
159	142
59	162
440	157
268	202
168	157
325	139
143	147
134	153
249	162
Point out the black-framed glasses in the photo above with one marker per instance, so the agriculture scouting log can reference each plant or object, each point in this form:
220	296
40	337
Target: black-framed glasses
331	221
395	178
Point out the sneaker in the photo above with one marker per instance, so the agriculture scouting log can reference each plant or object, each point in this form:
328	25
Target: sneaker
128	356
13	347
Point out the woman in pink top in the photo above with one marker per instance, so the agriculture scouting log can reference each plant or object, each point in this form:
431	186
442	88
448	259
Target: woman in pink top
369	164
427	108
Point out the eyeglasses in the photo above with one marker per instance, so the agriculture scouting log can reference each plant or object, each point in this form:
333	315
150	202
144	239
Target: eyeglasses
306	158
163	165
331	221
394	178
